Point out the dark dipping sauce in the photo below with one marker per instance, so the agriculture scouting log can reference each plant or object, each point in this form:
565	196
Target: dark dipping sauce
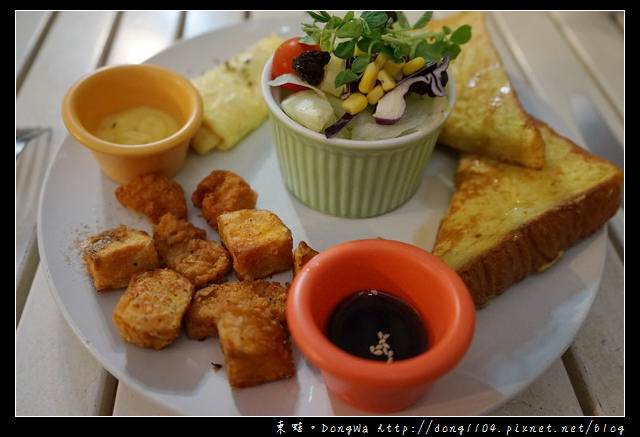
370	321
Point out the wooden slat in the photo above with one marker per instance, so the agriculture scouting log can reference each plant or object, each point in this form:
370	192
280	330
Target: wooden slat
618	19
60	60
129	402
31	30
537	44
595	360
55	374
141	34
549	395
592	36
200	22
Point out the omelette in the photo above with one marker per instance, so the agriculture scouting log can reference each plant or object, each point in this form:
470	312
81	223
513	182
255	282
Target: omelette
232	99
487	117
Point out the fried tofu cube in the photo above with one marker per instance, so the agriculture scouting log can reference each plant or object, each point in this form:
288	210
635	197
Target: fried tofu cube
200	322
259	243
222	191
153	194
248	317
182	247
112	257
149	314
256	349
267	298
202	262
301	256
171	233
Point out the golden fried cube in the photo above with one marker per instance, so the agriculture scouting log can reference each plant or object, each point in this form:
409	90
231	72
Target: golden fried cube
222	191
112	257
267	298
153	194
249	319
200	322
256	349
172	233
259	243
202	262
150	312
302	255
182	247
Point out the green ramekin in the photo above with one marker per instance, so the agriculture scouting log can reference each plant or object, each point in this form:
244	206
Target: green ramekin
348	178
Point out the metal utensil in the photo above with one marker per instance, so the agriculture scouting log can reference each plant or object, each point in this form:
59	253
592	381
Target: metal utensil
25	135
595	131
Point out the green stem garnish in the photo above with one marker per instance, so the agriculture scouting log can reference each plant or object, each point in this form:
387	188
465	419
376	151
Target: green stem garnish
380	32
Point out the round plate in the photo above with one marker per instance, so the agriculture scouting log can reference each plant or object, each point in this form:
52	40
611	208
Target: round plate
517	337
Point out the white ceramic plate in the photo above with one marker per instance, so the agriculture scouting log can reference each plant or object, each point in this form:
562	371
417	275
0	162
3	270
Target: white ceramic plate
518	336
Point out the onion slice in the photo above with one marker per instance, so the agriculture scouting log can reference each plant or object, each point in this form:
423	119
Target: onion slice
431	80
392	105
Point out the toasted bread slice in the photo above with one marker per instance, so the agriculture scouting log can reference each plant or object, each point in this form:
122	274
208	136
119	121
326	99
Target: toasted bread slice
487	117
506	222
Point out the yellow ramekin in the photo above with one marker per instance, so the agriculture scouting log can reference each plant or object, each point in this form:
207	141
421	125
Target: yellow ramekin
111	89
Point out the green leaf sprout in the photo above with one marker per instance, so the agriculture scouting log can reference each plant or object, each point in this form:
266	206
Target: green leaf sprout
375	32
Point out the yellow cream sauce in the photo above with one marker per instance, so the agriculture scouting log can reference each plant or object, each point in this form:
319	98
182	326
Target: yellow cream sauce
139	125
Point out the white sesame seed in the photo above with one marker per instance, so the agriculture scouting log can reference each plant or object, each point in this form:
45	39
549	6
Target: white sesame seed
382	347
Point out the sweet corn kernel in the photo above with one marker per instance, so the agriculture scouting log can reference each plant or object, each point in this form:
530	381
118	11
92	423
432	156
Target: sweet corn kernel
355	103
380	60
386	80
369	77
375	94
413	65
393	67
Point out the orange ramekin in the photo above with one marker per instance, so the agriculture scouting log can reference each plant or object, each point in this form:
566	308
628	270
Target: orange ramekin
114	88
408	272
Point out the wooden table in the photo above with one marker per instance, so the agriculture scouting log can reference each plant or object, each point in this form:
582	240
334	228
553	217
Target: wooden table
556	54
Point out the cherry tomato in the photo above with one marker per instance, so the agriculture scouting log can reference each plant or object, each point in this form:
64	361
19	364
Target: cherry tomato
283	60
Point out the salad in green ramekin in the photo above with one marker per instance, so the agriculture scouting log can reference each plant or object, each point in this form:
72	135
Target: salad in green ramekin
367	76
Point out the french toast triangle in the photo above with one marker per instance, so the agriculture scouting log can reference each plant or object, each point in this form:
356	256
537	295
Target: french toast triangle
487	117
506	222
